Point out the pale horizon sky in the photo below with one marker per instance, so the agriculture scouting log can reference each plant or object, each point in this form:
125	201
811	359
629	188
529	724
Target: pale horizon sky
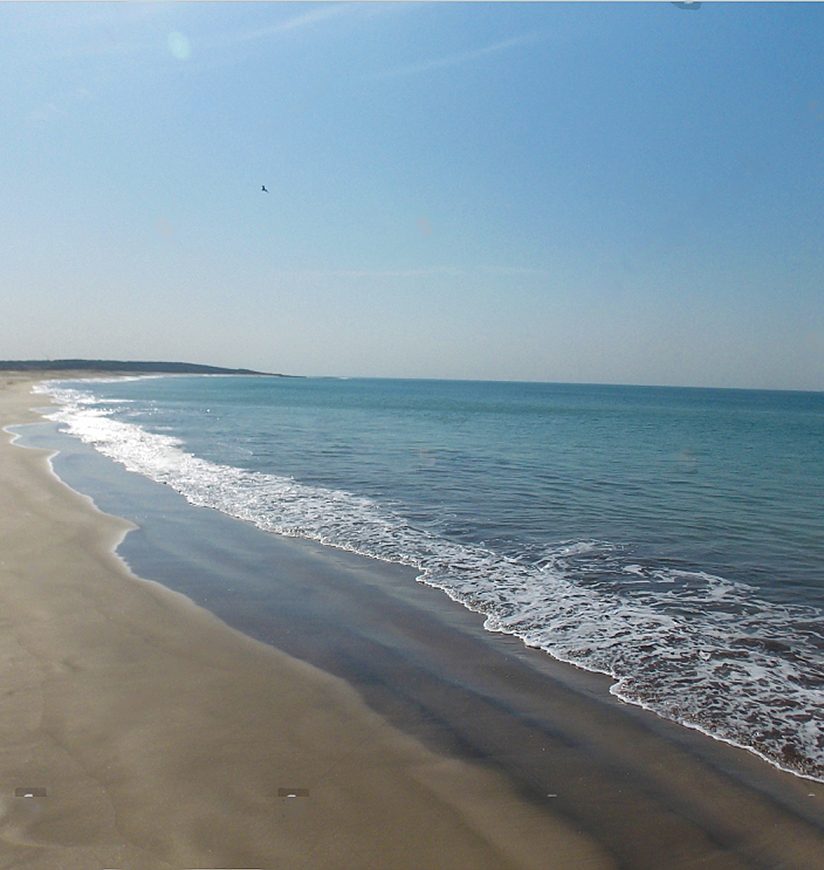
584	192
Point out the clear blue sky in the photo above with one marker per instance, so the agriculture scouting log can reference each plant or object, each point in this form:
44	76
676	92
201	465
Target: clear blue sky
629	193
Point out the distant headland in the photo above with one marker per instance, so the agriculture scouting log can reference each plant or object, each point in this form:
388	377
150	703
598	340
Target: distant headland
127	367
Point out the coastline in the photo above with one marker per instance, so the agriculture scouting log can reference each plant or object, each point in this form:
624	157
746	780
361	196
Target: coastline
168	733
163	738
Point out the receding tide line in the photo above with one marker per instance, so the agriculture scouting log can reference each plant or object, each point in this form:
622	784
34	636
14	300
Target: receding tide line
614	690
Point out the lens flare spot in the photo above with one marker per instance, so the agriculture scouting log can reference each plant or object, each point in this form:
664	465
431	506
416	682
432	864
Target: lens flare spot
179	46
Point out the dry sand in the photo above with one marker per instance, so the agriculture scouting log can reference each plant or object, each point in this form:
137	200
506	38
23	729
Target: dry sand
163	738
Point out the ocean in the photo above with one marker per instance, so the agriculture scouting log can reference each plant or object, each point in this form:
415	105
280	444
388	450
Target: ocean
670	538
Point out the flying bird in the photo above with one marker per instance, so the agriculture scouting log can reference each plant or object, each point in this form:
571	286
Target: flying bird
263	188
688	4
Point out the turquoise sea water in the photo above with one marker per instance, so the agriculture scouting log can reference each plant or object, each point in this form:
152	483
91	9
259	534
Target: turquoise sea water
671	538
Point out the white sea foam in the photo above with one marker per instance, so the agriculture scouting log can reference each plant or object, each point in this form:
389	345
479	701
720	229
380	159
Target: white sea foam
693	647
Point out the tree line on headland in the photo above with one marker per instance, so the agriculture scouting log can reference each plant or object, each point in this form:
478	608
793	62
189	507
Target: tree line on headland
131	366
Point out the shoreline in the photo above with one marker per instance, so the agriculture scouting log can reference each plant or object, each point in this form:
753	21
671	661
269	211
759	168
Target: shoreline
509	720
325	528
164	739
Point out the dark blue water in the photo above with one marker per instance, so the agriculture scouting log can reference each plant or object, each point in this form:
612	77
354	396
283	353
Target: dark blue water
672	538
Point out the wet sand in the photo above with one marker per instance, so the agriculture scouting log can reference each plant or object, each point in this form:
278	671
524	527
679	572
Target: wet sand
165	738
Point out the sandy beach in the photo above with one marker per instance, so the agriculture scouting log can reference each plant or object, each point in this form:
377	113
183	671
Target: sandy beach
151	734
